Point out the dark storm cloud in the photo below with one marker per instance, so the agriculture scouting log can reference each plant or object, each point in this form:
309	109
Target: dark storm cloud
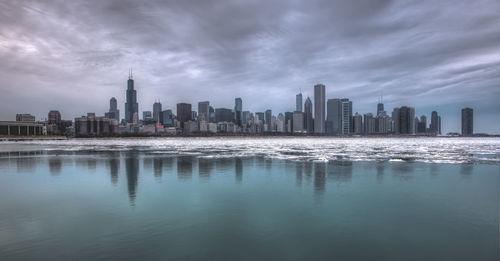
74	55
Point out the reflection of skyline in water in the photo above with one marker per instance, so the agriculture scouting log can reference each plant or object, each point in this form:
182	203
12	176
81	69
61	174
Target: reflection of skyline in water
308	174
185	167
132	172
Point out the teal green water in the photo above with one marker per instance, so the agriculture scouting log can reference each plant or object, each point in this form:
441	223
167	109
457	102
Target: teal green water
140	206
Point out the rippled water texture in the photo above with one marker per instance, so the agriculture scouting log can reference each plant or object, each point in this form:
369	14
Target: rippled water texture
250	199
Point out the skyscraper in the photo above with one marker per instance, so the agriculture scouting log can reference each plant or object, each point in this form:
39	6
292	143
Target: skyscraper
406	120
238	108
298	102
113	112
319	108
268	115
357	123
245	117
434	126
223	115
183	113
333	116
395	120
308	118
131	105
380	108
156	111
346	116
467	122
204	111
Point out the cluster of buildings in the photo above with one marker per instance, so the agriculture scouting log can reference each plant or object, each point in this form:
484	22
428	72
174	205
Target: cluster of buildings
333	117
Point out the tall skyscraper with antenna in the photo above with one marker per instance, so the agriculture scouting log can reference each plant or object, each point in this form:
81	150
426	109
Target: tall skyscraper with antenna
131	105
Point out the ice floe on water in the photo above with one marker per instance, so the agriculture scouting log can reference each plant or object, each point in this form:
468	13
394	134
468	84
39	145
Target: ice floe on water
430	150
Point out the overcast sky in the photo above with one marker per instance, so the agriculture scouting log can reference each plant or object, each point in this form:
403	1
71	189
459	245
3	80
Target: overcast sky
73	56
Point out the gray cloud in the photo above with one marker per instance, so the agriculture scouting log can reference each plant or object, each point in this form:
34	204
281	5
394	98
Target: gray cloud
74	55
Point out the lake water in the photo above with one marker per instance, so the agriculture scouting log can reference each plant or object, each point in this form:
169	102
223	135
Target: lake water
250	199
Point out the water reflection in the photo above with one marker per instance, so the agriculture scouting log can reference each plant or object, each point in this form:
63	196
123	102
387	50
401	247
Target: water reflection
114	167
340	171
132	172
313	176
55	165
158	167
298	173
205	167
319	177
380	170
185	167
238	165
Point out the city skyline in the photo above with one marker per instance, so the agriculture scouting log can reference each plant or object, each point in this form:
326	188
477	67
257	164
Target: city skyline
433	59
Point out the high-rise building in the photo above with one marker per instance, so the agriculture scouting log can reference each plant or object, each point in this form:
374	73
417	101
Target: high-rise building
298	122
380	108
245	117
260	116
204	110
298	102
434	126
422	125
339	116
406	120
369	124
113	112
357	122
54	117
131	105
167	118
211	114
223	115
333	116
147	116
308	118
238	108
156	111
396	121
183	113
346	116
268	115
319	108
288	121
467	122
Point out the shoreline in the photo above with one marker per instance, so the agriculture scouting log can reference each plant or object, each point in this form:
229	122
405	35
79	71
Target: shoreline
64	138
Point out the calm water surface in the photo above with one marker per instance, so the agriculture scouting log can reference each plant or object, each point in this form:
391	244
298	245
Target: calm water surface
135	204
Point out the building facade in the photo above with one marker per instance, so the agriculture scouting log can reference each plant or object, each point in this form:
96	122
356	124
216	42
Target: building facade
319	108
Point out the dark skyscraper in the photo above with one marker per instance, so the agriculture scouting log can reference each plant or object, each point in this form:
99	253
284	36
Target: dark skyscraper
238	108
434	127
467	122
113	112
156	111
406	120
308	116
268	116
131	105
204	111
333	116
183	113
380	108
223	115
298	102
260	116
319	108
